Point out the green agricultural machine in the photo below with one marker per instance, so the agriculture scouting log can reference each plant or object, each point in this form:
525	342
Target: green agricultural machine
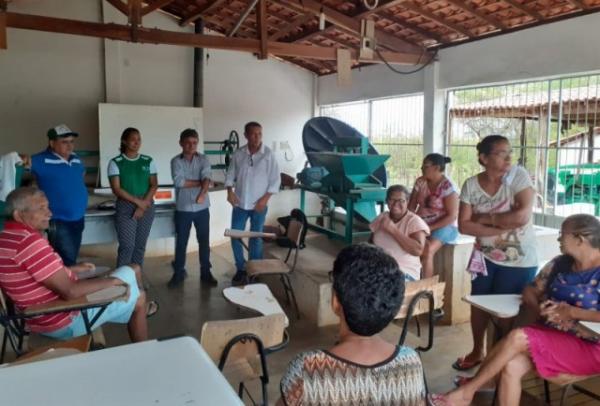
346	172
576	184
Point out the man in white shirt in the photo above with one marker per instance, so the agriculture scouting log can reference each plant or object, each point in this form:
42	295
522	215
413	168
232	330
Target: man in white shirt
253	176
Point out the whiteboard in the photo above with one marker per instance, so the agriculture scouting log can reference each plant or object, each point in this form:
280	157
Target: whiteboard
159	127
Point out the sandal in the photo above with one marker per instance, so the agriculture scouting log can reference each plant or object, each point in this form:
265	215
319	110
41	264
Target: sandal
461	380
151	308
434	399
462	365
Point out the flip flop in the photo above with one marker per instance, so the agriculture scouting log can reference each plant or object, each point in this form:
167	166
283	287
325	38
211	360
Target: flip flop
434	399
461	365
461	380
151	308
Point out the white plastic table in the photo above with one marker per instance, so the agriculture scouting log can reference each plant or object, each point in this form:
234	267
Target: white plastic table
171	372
257	297
501	306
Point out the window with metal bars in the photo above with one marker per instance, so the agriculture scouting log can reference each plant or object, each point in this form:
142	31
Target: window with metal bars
554	128
394	126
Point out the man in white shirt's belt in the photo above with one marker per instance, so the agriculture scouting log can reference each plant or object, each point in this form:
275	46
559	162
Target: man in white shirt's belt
253	176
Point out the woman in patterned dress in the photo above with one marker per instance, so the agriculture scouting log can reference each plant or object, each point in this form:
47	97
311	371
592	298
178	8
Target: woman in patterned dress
361	368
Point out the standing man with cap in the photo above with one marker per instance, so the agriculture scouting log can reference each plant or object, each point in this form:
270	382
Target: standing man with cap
60	174
253	176
191	177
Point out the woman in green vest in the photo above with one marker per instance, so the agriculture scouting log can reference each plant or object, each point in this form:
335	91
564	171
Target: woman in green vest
133	180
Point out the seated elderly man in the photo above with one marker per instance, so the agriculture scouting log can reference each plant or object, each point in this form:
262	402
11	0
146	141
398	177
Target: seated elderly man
32	273
400	232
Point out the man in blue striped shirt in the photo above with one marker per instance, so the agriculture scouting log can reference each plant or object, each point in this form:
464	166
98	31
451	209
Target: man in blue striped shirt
191	176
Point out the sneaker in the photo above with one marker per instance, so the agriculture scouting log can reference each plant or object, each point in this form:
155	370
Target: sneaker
176	280
239	278
208	280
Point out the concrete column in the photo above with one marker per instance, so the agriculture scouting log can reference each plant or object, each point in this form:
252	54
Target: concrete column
434	129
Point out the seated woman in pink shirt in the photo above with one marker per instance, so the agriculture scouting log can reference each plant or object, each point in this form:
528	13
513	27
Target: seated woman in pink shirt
400	232
435	199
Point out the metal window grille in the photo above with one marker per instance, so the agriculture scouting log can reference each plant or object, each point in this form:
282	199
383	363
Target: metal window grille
554	128
394	126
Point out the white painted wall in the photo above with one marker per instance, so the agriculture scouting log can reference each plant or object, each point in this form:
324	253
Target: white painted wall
368	83
48	79
148	74
52	78
276	94
561	48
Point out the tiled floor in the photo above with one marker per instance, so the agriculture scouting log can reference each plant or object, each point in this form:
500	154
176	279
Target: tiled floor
183	310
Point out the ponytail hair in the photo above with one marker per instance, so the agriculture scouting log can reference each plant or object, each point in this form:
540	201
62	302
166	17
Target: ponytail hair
438	160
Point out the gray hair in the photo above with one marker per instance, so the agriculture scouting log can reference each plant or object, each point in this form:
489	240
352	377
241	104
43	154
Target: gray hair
18	199
586	226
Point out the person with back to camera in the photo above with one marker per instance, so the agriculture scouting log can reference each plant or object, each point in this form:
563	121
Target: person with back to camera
496	207
361	368
435	199
565	292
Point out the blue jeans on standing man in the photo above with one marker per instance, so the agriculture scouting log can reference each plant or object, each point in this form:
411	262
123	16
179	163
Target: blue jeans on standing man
239	218
65	238
183	225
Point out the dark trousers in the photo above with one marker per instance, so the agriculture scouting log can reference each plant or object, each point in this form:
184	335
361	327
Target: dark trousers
65	238
183	225
132	234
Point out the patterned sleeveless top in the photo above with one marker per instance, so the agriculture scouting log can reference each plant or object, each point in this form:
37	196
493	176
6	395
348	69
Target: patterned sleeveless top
320	378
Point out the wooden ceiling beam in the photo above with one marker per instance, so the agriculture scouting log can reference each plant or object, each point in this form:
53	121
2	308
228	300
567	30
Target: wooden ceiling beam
342	42
119	5
203	10
431	16
155	6
243	15
410	26
158	36
531	13
579	4
382	6
351	24
3	31
291	26
261	18
461	4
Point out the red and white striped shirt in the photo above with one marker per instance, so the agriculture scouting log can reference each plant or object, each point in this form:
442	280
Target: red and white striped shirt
26	260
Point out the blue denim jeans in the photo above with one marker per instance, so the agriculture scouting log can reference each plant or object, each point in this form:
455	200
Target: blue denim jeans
183	225
65	238
239	218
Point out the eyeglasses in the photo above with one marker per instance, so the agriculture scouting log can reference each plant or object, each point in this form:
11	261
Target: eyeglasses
392	202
